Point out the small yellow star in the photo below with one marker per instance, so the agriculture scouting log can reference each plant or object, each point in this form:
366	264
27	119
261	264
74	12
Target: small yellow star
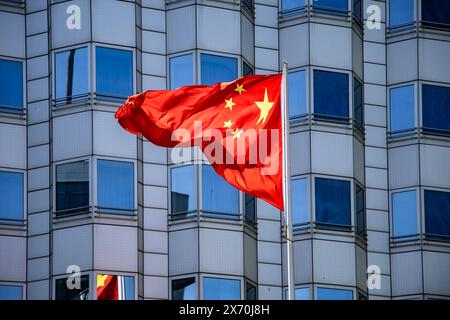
239	88
264	107
101	278
236	133
229	103
228	124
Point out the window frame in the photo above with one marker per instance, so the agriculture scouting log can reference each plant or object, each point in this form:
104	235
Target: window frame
416	111
90	73
351	199
326	118
185	276
95	181
24	219
93	53
222	277
23	110
92	194
419	219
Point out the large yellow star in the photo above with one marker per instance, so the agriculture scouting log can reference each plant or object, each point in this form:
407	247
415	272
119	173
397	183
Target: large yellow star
228	124
264	107
239	88
229	103
236	133
101	278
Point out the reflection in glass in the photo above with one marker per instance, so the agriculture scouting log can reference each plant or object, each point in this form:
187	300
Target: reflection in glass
288	5
402	109
72	188
219	198
331	99
300	294
333	204
71	75
115	287
182	191
250	292
11	86
181	71
115	186
246	69
357	10
250	208
436	108
221	289
62	291
299	201
8	292
334	6
401	13
114	73
437	214
358	103
217	69
183	289
404	214
11	197
297	93
359	209
334	294
436	13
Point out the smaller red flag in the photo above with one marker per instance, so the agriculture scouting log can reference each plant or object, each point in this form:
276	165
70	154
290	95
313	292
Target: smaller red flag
107	287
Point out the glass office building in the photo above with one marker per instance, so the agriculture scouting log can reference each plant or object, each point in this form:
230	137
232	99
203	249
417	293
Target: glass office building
369	107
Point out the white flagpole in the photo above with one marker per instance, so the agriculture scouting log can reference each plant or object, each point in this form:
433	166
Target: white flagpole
287	185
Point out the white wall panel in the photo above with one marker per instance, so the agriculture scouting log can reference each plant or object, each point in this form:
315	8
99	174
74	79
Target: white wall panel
403	166
12	36
435	166
13	146
436	269
326	39
181	29
183	251
402	61
294	45
12	258
299	153
433	60
406	273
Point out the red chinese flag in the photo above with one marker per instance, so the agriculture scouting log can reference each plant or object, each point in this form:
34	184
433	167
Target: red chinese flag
107	287
236	124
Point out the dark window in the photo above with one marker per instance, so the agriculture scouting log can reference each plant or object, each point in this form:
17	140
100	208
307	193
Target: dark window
221	289
331	100
334	294
250	292
437	215
357	10
114	74
401	13
331	6
182	191
62	291
220	199
72	188
358	104
436	13
115	187
11	86
297	94
183	289
246	70
436	108
8	292
248	4
292	5
250	208
71	76
181	71
11	197
217	69
359	210
402	109
333	204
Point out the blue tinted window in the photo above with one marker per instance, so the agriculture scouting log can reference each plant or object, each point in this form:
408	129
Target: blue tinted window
128	283
72	188
334	294
299	201
291	4
436	13
218	195
181	71
436	107
217	69
437	214
11	197
297	93
115	186
11	85
401	13
332	203
331	5
402	108
183	289
358	103
114	73
404	214
71	75
182	190
221	289
331	94
300	294
8	292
